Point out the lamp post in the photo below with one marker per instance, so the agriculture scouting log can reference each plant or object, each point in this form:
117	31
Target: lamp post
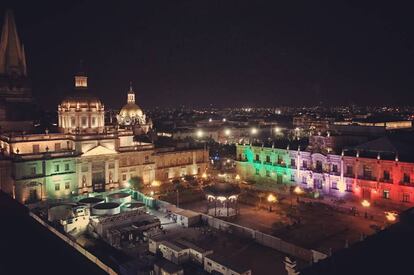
366	204
391	216
271	199
298	191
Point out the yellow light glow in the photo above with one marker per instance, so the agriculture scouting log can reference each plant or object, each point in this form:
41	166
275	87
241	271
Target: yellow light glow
152	193
237	177
222	175
227	132
253	131
155	183
391	216
271	198
199	133
204	175
221	198
298	190
277	130
365	203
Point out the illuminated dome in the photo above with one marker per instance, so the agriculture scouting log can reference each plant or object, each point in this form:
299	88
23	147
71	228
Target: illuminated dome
131	110
132	115
81	112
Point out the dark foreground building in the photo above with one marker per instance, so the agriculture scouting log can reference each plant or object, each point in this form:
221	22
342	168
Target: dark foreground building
29	248
387	252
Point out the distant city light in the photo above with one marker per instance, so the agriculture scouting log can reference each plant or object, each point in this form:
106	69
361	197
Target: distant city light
224	119
253	131
227	132
237	177
210	120
277	130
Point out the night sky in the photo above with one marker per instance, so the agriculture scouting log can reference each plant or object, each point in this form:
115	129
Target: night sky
225	53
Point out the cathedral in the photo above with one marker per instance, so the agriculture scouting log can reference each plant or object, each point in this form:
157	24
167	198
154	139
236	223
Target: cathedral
84	156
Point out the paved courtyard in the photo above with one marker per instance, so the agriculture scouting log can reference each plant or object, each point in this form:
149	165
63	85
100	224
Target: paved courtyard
314	226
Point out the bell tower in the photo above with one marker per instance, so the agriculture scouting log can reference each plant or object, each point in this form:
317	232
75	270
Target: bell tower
81	79
131	94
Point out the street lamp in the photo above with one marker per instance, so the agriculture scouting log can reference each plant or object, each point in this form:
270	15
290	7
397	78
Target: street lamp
271	199
227	132
391	216
253	131
199	133
298	191
366	204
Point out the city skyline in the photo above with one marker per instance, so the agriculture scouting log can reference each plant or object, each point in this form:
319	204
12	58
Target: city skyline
226	54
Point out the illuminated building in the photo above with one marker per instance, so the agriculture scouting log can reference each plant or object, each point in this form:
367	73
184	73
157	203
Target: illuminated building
356	174
87	156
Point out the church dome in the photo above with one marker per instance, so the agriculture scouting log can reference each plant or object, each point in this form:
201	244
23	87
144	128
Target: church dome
81	101
131	110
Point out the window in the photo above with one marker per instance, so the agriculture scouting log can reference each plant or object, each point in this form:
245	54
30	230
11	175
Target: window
85	168
67	185
349	170
305	164
240	156
279	160
334	185
83	121
292	163
111	165
386	194
367	171
93	121
304	180
73	122
292	177
124	177
318	166
348	187
257	157
68	145
317	183
36	148
406	178
33	170
386	175
146	158
66	166
57	146
57	168
335	168
267	173
57	186
406	197
267	159
257	171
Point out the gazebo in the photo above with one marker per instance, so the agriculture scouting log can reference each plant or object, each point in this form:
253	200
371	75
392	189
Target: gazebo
222	199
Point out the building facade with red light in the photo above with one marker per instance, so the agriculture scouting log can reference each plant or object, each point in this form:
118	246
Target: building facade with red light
351	175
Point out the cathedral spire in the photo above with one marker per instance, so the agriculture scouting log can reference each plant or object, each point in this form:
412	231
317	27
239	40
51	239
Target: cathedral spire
12	56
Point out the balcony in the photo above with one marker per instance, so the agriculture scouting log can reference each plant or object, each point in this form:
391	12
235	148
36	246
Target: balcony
267	163
367	177
336	173
386	180
257	161
349	175
280	164
404	183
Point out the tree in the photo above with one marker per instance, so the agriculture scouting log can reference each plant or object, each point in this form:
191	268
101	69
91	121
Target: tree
136	183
